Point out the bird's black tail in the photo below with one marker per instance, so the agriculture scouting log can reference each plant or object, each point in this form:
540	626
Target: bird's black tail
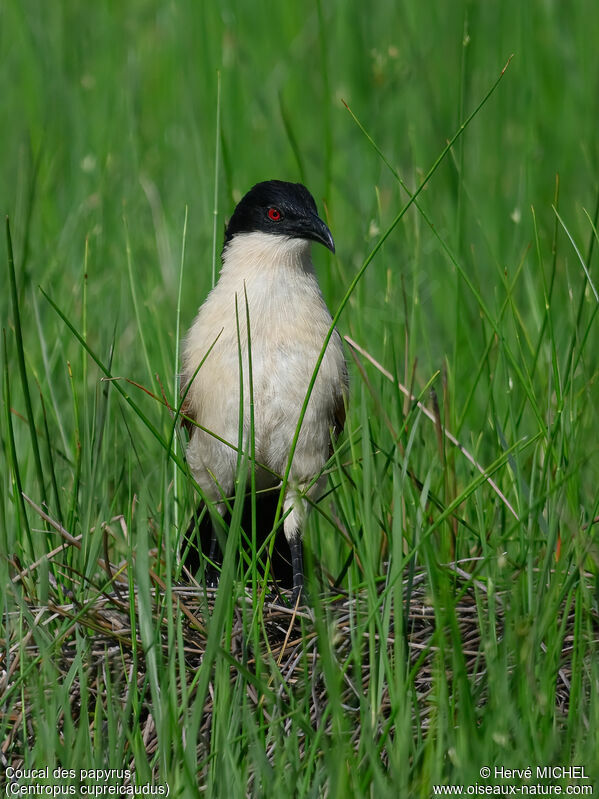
199	545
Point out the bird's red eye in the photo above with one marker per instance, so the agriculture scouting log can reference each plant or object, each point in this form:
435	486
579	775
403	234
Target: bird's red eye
274	214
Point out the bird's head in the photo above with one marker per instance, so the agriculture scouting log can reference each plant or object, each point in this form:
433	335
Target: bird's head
278	208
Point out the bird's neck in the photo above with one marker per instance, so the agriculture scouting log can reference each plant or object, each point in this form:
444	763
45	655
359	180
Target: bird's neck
262	254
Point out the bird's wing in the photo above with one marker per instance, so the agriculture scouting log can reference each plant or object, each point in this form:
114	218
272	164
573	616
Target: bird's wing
339	417
186	410
340	409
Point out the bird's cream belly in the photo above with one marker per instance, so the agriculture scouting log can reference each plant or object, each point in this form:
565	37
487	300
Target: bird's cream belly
279	385
288	324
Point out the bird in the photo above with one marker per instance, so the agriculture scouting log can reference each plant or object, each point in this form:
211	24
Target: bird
266	309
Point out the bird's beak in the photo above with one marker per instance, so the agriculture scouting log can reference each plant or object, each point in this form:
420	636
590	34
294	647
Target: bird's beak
316	230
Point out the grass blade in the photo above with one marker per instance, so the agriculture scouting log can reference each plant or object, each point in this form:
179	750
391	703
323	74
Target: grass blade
21	361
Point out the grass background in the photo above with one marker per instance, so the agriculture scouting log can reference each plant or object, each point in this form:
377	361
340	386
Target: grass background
109	139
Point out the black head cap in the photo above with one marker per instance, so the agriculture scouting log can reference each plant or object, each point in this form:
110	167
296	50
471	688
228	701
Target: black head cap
282	209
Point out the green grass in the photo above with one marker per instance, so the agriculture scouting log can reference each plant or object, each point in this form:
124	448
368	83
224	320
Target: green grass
483	290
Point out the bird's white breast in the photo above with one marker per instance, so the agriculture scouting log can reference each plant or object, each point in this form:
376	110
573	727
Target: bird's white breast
288	322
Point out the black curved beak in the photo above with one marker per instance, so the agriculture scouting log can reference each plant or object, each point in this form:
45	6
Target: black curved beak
312	227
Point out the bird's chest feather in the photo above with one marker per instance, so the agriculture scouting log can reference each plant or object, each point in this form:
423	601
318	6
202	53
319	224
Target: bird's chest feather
276	323
266	321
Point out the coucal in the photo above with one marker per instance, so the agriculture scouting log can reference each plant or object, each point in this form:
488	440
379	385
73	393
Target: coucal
266	258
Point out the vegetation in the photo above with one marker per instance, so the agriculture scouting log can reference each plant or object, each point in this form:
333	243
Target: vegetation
453	619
